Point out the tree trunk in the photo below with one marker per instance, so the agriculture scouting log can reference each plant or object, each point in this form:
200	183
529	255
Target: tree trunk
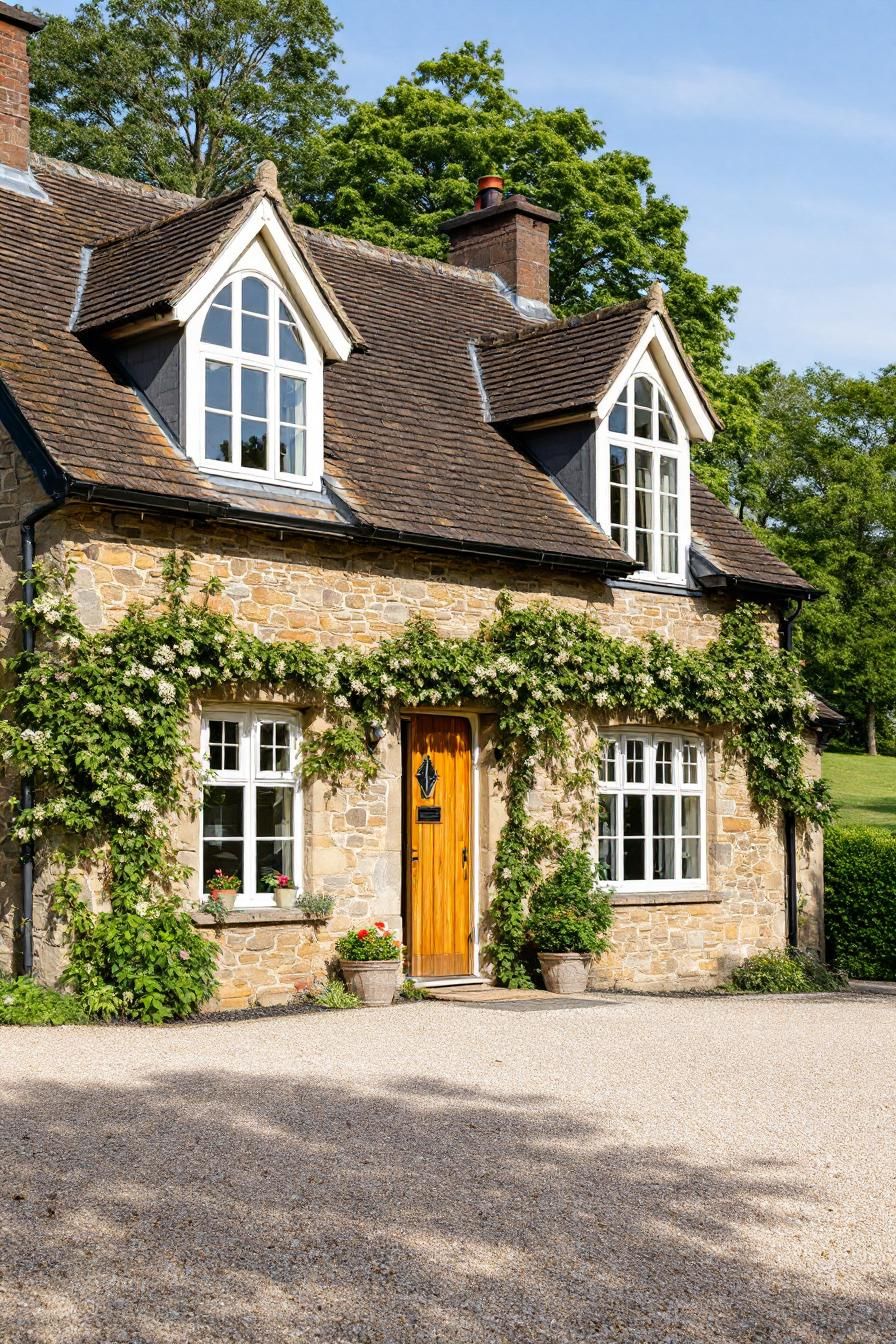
871	730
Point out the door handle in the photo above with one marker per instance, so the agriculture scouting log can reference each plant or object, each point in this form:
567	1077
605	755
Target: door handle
464	856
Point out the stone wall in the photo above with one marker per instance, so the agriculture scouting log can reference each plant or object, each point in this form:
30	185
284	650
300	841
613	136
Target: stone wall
279	586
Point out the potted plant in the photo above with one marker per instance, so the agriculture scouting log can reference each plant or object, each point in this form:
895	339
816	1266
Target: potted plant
223	888
281	888
317	905
569	915
370	961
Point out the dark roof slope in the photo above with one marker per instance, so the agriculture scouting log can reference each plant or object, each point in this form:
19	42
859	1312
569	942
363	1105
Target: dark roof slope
404	423
729	550
565	366
409	451
146	270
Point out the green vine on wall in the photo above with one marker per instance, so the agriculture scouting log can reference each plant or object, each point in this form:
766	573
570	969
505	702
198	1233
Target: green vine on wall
101	720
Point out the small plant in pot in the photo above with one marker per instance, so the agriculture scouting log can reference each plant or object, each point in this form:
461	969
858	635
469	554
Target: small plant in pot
223	889
569	915
370	961
281	888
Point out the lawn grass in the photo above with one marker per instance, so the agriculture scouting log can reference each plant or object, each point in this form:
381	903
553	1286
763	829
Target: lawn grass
864	789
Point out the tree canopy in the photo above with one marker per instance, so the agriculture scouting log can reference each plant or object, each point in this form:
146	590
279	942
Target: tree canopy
822	484
395	168
187	94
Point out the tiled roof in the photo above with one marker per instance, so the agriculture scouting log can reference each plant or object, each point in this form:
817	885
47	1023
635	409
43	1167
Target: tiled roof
731	550
146	270
408	449
562	367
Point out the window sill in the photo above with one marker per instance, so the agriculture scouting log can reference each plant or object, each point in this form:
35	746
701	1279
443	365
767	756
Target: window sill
258	915
665	898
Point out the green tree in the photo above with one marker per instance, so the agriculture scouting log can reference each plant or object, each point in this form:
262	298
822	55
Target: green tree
396	167
187	94
824	487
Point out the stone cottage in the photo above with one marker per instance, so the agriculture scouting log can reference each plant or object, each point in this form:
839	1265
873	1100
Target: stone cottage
346	437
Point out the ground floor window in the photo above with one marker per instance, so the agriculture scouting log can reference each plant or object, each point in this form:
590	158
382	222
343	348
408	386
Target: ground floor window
251	802
652	824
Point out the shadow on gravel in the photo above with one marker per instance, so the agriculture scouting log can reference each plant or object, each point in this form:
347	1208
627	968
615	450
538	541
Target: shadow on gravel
215	1207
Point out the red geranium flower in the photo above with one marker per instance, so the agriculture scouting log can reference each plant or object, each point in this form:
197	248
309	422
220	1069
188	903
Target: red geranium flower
379	926
362	933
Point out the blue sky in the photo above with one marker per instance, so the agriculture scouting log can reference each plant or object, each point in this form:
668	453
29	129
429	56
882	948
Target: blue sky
774	121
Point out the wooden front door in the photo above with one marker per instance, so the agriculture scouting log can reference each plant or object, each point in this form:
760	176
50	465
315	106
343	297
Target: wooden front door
439	857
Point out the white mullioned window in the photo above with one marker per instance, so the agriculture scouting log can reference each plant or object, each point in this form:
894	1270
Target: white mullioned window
652	825
251	803
647	482
259	373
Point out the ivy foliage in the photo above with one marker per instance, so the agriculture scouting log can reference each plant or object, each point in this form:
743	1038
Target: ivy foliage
101	721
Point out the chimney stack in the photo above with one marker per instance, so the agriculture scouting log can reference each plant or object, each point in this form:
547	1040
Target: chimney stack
16	26
507	235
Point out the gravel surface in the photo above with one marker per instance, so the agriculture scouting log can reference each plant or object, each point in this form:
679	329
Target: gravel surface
641	1170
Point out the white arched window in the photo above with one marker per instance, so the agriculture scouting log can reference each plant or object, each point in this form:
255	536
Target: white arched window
260	373
645	502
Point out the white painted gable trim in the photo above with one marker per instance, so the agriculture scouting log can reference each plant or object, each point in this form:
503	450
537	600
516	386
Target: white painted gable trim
264	224
674	374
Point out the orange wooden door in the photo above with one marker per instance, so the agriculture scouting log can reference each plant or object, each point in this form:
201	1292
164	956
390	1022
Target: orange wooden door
440	851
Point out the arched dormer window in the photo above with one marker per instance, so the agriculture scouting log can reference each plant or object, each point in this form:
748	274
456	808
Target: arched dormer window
648	477
260	375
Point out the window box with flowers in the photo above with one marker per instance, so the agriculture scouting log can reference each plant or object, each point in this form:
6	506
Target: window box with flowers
370	961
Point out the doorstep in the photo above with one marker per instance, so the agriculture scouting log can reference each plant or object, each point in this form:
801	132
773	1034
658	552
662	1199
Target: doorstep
483	993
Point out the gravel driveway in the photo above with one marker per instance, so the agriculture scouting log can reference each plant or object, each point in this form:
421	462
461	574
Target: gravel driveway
635	1169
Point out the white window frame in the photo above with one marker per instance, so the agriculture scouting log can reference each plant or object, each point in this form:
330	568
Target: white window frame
249	776
616	742
678	451
198	352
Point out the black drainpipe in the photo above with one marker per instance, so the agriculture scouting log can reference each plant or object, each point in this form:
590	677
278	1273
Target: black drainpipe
27	791
785	640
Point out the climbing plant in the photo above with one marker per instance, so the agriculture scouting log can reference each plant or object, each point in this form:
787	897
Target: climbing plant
101	720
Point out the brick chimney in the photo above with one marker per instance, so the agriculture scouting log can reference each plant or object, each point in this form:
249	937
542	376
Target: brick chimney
505	234
16	25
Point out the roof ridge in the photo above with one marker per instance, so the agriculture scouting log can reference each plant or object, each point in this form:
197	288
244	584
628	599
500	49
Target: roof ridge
131	184
486	279
573	320
203	203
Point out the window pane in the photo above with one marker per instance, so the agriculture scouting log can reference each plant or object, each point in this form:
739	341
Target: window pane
666	423
255	394
619	415
292	450
273	747
223	744
668	476
254	444
290	345
644	509
690	857
273	856
643	423
255	296
607	845
217	437
224	854
255	335
689	763
633	867
217	327
663	763
292	401
618	495
643	392
664	837
669	553
606	766
217	385
273	811
222	811
690	815
634	761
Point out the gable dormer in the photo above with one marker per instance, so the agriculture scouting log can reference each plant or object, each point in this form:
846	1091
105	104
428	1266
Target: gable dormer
224	324
609	405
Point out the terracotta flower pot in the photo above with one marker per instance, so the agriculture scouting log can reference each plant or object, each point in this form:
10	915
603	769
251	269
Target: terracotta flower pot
374	982
227	898
285	897
565	972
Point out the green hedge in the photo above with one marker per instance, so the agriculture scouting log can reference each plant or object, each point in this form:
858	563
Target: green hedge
860	900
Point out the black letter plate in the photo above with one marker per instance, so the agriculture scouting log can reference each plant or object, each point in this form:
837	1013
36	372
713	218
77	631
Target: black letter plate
429	814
